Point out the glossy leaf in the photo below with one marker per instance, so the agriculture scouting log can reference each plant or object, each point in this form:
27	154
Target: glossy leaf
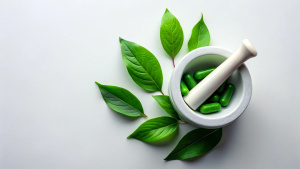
121	100
155	129
165	102
196	143
171	34
142	66
200	36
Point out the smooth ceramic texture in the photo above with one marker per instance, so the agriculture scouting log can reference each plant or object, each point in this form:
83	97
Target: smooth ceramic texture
201	92
202	58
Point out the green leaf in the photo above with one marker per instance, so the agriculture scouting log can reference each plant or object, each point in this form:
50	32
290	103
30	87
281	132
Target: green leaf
165	103
121	100
155	129
200	36
171	34
142	66
196	143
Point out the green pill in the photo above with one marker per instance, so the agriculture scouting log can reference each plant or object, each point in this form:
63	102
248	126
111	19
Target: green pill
226	96
189	80
222	87
201	74
210	108
214	98
183	88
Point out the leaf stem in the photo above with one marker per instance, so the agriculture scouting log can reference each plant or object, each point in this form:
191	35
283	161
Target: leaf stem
181	121
173	61
162	92
145	115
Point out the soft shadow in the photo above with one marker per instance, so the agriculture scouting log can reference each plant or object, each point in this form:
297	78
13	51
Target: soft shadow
229	133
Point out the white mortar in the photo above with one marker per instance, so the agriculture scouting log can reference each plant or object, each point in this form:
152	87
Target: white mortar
202	58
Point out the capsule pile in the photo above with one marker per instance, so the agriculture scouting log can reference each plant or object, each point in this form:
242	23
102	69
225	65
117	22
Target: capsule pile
219	98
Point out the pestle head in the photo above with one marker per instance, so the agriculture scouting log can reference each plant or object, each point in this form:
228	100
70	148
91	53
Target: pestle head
247	48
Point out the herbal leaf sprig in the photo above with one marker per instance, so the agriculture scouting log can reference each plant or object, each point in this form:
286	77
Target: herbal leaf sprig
196	143
171	34
121	100
165	103
200	36
155	129
145	70
142	66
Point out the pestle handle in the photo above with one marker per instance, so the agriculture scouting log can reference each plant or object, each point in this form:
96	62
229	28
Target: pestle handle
202	91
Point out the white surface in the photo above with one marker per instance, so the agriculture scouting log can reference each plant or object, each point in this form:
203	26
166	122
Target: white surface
204	89
203	58
53	117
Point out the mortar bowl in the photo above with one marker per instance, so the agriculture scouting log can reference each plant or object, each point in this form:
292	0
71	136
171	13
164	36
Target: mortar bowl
202	58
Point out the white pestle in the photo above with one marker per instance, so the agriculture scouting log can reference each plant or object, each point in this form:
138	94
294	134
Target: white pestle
202	91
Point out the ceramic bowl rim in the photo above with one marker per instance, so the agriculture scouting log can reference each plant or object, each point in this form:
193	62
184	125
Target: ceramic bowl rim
188	114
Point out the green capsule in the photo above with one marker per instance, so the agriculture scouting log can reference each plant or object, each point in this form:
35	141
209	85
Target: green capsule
214	98
183	88
189	81
222	87
210	108
226	96
201	74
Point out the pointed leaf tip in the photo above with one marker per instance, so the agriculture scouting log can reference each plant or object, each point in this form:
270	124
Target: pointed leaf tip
171	34
98	83
200	35
121	100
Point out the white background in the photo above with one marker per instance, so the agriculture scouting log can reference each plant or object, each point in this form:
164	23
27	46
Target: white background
52	115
